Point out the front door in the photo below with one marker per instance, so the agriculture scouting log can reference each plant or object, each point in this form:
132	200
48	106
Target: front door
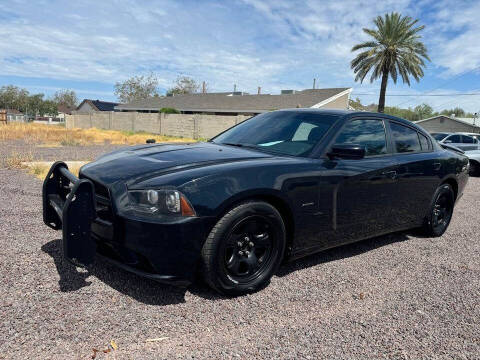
364	189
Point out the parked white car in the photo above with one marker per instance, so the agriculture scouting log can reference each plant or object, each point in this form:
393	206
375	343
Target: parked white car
474	159
464	141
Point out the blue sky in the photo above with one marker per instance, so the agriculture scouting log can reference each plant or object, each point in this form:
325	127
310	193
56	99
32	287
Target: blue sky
278	44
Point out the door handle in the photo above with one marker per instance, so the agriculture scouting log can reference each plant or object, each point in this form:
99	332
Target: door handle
437	166
390	174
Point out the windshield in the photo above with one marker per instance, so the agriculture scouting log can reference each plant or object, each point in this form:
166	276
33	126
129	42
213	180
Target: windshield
439	136
284	132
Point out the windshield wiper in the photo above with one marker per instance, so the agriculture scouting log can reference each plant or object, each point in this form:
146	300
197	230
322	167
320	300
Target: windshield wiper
241	145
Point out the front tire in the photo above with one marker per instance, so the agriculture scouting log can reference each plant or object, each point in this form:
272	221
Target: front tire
440	212
244	249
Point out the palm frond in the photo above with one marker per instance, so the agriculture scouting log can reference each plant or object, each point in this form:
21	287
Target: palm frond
396	49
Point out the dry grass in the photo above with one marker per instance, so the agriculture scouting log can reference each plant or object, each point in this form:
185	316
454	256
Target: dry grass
16	160
40	168
54	135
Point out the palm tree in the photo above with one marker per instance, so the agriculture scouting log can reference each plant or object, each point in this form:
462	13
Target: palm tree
395	49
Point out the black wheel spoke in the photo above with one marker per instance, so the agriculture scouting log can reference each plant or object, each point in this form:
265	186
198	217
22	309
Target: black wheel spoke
248	247
262	239
253	263
233	264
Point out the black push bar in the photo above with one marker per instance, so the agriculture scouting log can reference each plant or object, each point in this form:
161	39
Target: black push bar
69	204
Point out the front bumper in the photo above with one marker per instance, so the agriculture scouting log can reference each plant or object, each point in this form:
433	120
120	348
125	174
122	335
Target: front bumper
166	252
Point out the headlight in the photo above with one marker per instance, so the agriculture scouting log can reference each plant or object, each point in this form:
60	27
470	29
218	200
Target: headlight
165	202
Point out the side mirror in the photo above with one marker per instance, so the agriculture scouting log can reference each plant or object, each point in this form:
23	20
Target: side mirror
347	151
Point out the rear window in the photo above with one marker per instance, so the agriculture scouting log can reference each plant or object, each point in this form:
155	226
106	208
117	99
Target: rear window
456	139
439	136
467	139
424	143
406	139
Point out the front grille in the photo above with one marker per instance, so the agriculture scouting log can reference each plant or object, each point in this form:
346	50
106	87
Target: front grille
103	201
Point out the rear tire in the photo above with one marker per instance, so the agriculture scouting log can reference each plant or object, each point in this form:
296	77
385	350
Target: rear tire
474	168
441	211
244	249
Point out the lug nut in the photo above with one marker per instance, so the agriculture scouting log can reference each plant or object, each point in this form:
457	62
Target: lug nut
240	253
247	252
251	244
239	244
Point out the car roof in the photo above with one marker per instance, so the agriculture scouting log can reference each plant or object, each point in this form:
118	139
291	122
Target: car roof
352	113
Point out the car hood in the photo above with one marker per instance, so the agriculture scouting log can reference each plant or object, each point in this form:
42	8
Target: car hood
134	164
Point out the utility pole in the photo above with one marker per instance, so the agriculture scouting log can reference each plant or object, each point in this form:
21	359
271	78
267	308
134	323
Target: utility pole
314	80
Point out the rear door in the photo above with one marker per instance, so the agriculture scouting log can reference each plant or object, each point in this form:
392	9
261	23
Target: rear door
469	143
418	174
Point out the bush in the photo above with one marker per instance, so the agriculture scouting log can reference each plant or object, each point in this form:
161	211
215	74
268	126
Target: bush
169	111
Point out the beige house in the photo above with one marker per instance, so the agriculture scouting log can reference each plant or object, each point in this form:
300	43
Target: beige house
443	123
239	103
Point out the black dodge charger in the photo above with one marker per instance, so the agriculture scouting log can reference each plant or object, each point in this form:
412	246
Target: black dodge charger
281	185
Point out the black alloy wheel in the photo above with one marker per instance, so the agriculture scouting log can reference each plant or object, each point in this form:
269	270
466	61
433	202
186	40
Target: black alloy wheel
244	249
248	248
441	211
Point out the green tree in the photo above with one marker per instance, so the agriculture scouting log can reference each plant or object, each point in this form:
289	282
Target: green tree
136	88
423	111
169	110
66	97
13	97
394	50
184	85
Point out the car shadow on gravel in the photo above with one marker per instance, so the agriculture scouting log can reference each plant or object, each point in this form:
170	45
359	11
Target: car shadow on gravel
143	290
153	293
342	252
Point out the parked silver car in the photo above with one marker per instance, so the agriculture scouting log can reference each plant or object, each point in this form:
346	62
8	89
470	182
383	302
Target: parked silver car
464	141
474	159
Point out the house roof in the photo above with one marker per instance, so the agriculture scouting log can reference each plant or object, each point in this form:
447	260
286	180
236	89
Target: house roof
467	121
99	105
62	108
227	102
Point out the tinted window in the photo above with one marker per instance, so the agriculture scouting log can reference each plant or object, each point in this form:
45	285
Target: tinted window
439	136
369	133
425	144
467	139
406	139
454	139
284	132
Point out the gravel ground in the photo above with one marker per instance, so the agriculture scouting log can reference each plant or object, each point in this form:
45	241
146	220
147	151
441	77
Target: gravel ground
396	297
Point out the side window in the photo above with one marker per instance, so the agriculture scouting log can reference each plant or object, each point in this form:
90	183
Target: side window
456	139
425	144
467	139
367	132
406	139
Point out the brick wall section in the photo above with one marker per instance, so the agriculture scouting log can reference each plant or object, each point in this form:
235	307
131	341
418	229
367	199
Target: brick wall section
183	125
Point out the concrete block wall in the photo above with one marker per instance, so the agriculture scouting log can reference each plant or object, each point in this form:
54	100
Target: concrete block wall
183	125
